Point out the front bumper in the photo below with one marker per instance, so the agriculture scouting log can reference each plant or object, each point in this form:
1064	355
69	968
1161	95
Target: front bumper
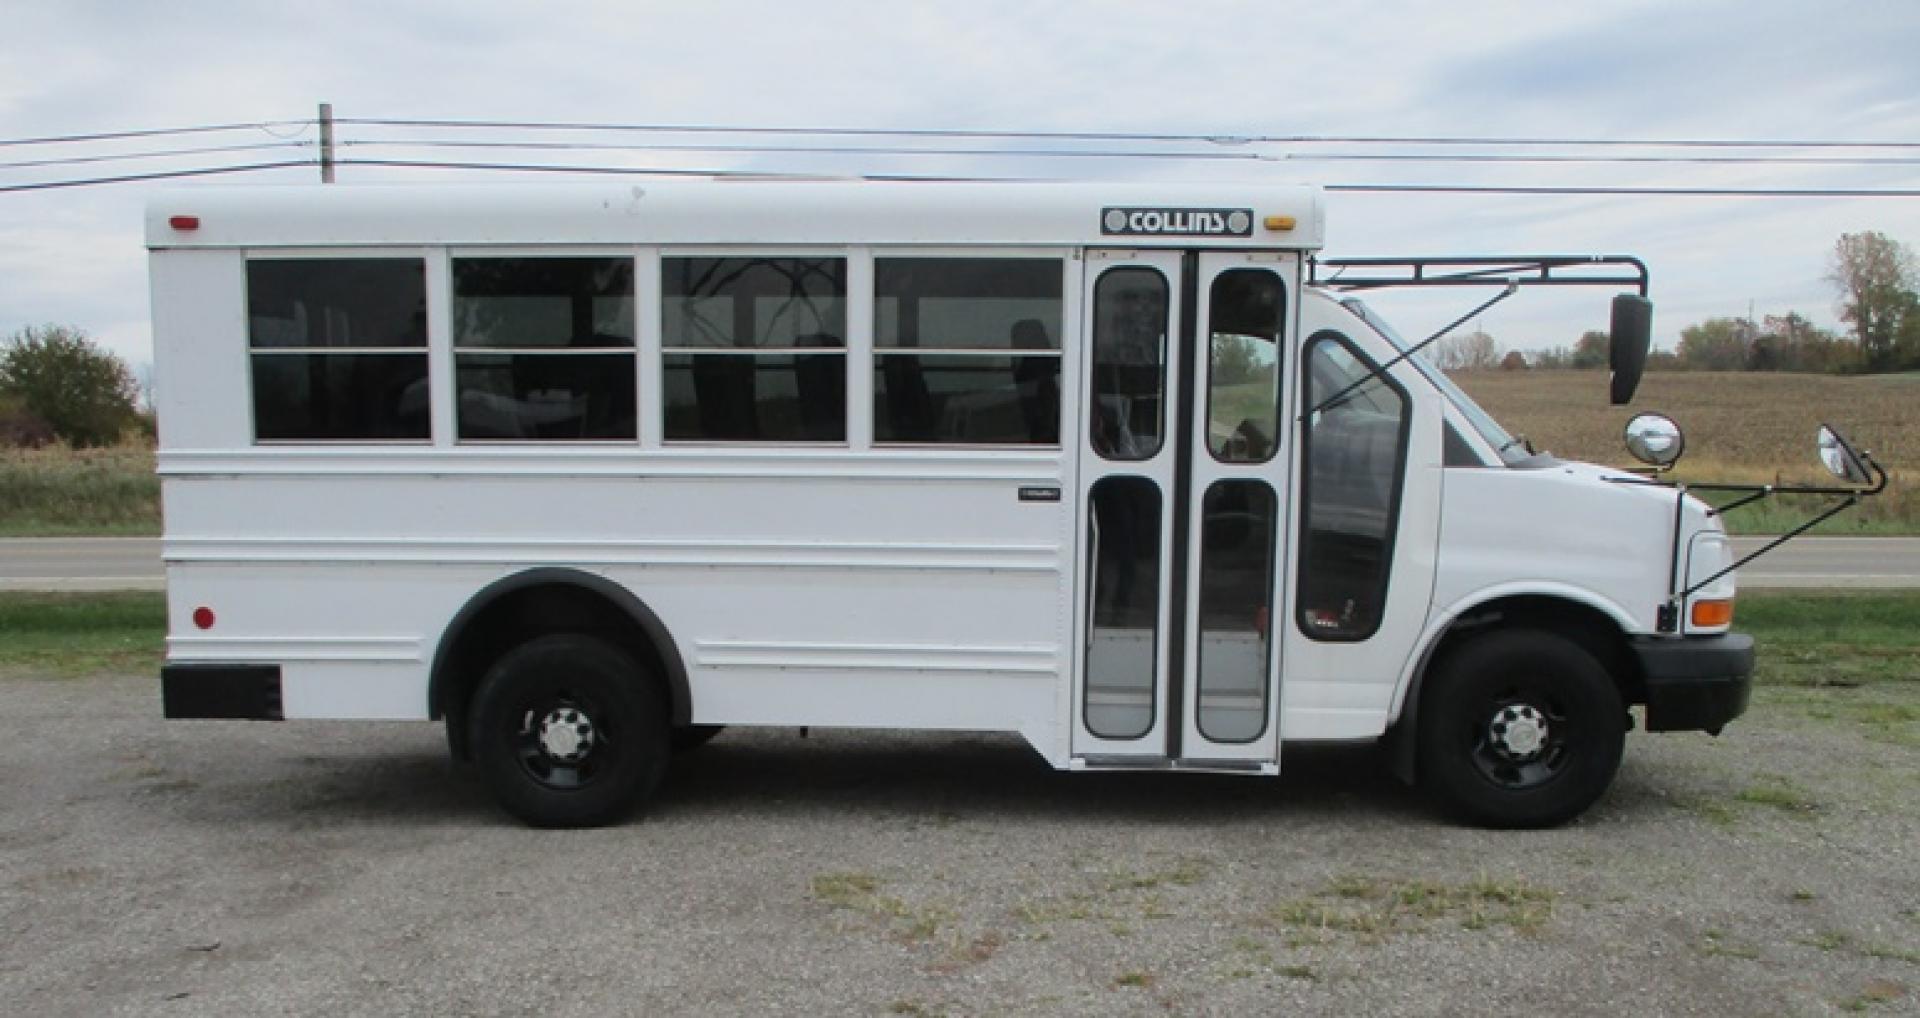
221	691
1696	683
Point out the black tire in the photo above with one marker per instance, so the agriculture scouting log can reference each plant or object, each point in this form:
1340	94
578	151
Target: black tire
569	731
688	738
1520	729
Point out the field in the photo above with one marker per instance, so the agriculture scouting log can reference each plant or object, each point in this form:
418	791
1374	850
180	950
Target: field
1746	427
1749	426
59	491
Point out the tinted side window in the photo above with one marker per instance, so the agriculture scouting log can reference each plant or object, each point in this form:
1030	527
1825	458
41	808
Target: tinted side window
967	350
543	348
1353	456
755	349
338	349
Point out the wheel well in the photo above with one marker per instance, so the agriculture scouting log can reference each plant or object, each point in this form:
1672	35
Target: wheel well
521	607
1591	628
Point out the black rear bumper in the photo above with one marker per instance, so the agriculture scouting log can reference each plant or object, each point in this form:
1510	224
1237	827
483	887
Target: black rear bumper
250	692
1696	683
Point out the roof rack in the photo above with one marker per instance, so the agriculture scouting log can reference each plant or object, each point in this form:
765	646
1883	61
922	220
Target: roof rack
1491	270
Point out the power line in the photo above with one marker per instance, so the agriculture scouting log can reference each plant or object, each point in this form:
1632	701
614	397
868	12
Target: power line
204	171
642	171
841	150
153	154
156	132
1481	157
1127	154
1370	188
1671	192
1217	138
1698	192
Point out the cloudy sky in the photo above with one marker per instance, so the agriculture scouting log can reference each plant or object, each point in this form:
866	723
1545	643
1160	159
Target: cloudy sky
1622	70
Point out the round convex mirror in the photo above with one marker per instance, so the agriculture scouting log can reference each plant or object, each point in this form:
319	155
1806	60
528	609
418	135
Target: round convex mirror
1655	439
1840	458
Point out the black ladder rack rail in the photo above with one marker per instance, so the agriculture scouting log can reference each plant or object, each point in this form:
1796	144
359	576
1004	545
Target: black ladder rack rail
1490	270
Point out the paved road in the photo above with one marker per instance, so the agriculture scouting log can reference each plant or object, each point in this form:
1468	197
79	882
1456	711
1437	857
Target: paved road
80	563
133	563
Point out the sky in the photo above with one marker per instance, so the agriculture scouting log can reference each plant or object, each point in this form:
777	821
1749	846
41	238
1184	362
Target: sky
1753	69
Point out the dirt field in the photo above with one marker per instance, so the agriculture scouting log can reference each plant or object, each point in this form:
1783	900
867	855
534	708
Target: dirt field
192	868
1748	426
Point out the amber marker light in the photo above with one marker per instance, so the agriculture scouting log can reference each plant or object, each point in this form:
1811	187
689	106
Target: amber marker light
1709	613
1279	223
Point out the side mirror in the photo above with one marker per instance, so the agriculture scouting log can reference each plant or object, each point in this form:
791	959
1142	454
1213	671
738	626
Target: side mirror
1655	440
1628	336
1840	458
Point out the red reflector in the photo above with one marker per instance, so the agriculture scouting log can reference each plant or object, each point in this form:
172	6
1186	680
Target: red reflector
203	617
184	222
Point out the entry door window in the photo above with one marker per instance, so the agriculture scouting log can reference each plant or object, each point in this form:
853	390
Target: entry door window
1238	521
1128	408
1243	365
1123	640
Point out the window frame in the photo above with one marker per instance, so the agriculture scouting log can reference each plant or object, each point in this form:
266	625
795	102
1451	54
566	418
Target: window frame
251	255
853	303
1402	446
451	254
1279	363
1093	328
1064	257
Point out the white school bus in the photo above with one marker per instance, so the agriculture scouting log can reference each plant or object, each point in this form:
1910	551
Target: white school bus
591	472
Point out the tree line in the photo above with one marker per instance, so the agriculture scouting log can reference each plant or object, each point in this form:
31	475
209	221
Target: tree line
1878	286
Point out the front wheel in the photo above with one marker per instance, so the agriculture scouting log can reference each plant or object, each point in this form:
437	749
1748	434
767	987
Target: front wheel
569	731
1520	729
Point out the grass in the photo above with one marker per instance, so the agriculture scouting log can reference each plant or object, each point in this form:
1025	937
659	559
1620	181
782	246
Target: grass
77	634
1844	657
1778	793
1875	993
1373	911
1753	427
58	491
860	893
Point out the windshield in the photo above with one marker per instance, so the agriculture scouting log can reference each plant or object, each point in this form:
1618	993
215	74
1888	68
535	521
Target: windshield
1512	450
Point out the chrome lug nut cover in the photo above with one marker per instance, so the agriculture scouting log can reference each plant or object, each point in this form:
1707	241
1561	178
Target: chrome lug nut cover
566	735
1518	731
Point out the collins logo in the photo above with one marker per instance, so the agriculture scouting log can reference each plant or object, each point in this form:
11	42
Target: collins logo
1177	222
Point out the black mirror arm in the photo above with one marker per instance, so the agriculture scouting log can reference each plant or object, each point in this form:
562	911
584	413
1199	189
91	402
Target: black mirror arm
1852	499
1511	289
1750	493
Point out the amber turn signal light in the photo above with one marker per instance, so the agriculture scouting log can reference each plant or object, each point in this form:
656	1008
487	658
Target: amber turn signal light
1713	613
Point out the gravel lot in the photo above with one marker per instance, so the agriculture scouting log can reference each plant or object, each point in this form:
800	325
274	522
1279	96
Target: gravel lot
151	867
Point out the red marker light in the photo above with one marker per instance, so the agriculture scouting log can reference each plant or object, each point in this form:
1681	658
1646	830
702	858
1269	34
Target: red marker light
203	617
184	222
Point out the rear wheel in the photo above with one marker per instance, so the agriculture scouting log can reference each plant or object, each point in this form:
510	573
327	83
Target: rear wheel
569	731
1520	728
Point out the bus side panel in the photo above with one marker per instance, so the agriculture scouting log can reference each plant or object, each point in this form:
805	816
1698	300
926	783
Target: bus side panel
935	602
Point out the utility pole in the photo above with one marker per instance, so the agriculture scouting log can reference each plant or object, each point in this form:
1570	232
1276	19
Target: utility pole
326	143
